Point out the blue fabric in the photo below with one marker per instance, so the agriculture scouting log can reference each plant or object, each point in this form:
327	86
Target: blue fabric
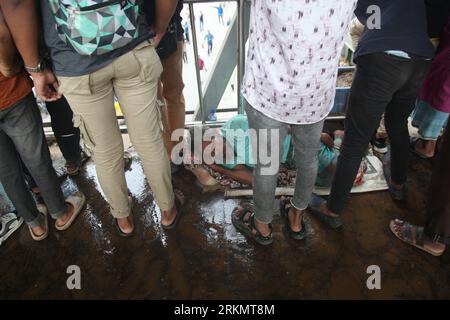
399	53
209	37
236	130
327	163
429	121
5	201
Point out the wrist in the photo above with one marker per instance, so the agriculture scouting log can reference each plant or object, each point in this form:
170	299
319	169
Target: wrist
36	69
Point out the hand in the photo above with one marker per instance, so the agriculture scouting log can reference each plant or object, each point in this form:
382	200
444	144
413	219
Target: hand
327	140
46	85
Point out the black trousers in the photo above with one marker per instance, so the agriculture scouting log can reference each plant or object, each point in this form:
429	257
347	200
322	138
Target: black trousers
383	84
437	226
67	136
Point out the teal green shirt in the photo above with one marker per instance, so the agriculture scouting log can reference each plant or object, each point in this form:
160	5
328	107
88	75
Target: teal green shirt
235	132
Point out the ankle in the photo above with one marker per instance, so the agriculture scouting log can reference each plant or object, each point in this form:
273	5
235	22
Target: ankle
263	228
295	212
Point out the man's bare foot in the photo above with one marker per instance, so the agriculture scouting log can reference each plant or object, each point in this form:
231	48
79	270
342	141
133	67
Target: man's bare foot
169	216
295	219
425	148
126	224
203	177
63	220
39	230
263	228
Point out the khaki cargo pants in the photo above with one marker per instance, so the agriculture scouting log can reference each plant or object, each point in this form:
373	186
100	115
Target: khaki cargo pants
133	78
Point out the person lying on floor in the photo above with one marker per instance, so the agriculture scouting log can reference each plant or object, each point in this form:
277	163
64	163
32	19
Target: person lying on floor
235	137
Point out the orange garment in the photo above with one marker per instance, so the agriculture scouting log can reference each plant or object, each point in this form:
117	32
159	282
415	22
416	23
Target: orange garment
13	89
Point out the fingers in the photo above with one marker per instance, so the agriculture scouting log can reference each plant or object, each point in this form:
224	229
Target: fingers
55	85
46	86
47	94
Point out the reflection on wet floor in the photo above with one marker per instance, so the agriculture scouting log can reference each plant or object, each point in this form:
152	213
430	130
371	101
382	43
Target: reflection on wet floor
205	258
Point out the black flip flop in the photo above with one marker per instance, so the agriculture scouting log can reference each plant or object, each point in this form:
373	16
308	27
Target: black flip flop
248	227
174	223
285	206
120	231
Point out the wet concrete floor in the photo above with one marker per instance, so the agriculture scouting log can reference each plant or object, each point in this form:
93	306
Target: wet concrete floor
205	258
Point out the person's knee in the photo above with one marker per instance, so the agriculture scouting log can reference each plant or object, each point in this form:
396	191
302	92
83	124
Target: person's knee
108	154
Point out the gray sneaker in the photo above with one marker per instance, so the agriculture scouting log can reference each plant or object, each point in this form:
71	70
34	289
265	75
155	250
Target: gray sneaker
9	223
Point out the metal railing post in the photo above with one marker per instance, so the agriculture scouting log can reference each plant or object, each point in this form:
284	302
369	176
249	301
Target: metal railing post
197	70
241	52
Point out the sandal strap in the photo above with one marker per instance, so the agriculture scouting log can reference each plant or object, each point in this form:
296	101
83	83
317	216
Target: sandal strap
241	213
252	225
412	233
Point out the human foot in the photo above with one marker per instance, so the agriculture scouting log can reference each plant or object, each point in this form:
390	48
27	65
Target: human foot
125	225
263	228
244	220
319	208
169	218
40	232
415	236
425	148
293	219
75	203
203	177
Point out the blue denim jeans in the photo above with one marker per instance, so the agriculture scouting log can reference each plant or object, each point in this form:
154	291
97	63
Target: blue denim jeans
21	134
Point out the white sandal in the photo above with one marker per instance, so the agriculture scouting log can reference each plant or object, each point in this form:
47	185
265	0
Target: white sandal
43	210
77	200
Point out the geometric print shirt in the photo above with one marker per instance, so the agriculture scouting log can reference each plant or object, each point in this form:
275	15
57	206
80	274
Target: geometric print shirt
293	53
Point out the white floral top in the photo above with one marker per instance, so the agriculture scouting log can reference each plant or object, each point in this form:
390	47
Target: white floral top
293	54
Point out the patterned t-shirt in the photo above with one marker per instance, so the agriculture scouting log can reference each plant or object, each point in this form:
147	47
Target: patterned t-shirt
293	54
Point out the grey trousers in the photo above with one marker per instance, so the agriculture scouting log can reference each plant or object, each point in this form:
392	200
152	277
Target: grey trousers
306	139
21	134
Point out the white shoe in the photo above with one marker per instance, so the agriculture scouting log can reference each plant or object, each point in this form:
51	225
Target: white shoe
9	223
43	210
77	200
